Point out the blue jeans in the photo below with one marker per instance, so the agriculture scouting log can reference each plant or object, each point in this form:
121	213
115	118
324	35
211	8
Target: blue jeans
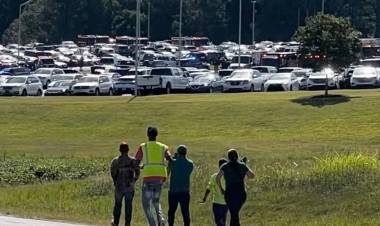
151	192
128	196
220	214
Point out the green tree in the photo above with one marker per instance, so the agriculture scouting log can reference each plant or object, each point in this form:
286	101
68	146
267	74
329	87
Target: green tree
330	36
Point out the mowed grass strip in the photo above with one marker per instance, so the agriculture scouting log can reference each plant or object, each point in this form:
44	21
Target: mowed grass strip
271	129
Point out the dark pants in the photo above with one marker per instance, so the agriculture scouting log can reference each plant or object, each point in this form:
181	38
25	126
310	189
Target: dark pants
128	196
220	214
183	198
235	200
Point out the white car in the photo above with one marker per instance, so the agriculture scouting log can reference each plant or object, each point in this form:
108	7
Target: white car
302	76
243	80
365	76
22	86
266	71
317	80
245	62
166	78
46	74
282	82
93	85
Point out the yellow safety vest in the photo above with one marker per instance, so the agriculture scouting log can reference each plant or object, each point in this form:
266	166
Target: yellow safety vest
154	160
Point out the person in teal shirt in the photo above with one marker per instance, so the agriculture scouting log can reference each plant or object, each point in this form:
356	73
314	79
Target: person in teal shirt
219	206
180	170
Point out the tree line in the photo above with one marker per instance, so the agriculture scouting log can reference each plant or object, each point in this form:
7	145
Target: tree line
52	21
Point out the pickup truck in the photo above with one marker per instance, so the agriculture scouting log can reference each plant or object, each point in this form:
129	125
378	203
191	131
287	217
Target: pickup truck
166	79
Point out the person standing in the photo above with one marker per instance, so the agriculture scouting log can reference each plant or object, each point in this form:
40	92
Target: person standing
181	169
125	171
152	155
219	206
235	195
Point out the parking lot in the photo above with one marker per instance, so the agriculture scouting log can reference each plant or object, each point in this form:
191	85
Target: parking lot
100	65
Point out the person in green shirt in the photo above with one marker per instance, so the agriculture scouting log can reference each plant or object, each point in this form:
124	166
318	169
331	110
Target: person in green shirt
219	206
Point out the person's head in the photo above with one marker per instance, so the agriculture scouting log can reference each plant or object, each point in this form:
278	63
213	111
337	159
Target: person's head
182	150
152	133
233	155
124	147
222	162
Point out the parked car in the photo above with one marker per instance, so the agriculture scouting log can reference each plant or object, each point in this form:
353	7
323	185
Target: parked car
246	61
60	88
14	71
288	69
46	74
266	71
243	80
22	86
303	76
207	82
365	77
282	82
166	78
317	80
93	85
125	85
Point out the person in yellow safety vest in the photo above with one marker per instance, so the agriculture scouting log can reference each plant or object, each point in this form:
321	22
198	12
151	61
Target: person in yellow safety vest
153	155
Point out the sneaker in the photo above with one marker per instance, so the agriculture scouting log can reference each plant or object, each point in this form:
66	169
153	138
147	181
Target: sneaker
113	224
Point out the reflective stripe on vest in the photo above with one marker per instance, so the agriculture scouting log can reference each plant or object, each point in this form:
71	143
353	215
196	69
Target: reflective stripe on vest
154	160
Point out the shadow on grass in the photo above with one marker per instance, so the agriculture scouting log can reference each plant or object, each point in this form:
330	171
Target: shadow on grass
322	101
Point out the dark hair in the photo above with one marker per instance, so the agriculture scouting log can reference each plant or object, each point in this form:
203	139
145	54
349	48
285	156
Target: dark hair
222	162
124	147
152	132
233	155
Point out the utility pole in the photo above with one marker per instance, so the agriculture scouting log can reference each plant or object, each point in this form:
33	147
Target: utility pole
253	21
149	20
180	31
323	6
239	54
137	48
19	28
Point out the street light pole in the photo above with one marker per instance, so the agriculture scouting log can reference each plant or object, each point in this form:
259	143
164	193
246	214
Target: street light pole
19	28
239	54
323	6
180	31
149	20
137	54
253	21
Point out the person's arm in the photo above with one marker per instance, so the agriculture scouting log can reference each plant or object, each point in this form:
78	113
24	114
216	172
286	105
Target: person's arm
250	174
139	155
207	193
114	170
168	155
219	180
137	171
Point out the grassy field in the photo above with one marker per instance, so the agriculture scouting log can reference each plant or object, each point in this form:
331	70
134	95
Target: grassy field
316	159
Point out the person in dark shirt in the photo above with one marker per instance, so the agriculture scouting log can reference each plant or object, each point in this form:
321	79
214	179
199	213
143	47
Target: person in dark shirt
125	171
235	195
181	169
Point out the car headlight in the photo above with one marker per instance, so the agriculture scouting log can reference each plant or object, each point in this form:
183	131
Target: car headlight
245	82
205	84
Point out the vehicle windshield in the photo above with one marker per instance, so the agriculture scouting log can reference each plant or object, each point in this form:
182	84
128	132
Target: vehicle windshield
285	70
88	79
243	60
365	71
43	71
16	80
282	76
62	77
143	72
262	69
203	79
61	84
241	75
106	61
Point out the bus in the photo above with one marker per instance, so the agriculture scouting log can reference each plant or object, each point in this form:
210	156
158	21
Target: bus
280	59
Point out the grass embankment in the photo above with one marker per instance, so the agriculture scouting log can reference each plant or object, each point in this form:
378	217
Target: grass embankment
281	134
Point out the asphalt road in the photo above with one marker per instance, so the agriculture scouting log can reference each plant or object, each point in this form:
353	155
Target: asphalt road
13	221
